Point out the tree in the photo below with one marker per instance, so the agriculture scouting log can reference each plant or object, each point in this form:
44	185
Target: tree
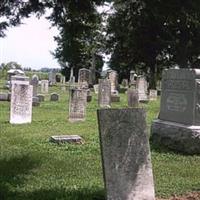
144	35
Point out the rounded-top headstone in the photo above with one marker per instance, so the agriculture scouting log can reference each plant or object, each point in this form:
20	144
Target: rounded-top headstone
54	97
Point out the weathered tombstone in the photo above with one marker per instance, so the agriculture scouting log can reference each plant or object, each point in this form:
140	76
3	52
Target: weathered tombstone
125	154
133	99
104	93
84	76
113	77
54	97
34	83
63	79
40	97
77	105
153	95
96	88
89	96
141	85
52	78
125	83
178	124
133	77
21	100
35	101
74	139
44	86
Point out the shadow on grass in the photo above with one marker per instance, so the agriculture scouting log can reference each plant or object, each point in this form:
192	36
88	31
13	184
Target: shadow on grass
12	173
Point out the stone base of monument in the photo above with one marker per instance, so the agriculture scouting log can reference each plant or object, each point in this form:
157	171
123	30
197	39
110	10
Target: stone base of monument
4	97
115	98
75	139
89	98
35	101
177	137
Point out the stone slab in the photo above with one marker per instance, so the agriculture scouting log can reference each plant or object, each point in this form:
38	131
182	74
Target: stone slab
75	139
115	98
175	136
125	154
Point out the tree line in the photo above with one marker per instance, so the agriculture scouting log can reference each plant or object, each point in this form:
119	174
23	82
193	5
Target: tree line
141	35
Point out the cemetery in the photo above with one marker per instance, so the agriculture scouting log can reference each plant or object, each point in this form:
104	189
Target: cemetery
68	148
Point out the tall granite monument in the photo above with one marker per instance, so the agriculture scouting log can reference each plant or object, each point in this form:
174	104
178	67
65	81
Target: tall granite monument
178	124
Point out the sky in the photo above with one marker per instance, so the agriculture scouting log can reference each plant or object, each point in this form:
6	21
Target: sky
30	44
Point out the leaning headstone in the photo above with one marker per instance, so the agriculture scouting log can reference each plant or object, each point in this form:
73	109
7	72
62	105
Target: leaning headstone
54	97
153	95
84	76
44	86
141	85
21	101
178	124
104	93
96	88
72	139
77	105
34	83
126	154
133	99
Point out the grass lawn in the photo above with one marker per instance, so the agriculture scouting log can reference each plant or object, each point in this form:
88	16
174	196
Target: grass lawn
33	168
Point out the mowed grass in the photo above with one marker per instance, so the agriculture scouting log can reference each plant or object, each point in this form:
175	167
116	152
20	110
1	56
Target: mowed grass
32	168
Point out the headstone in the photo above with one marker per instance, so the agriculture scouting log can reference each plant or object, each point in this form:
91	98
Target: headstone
3	96
89	96
40	97
133	99
104	93
113	77
72	139
58	78
153	95
54	97
34	83
77	105
96	88
44	86
125	83
115	98
84	76
178	124
21	101
141	85
133	77
126	154
35	101
52	78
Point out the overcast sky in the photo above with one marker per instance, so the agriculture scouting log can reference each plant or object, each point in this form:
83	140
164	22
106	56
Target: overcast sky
30	44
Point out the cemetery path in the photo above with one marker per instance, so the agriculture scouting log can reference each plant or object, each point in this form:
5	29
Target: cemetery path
189	196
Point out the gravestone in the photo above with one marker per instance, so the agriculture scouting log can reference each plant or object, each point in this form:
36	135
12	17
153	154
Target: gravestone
77	105
104	93
35	101
153	95
58	78
54	97
141	86
3	96
21	100
125	83
40	97
125	154
72	139
178	124
44	86
113	77
84	76
52	78
133	99
34	83
133	77
96	88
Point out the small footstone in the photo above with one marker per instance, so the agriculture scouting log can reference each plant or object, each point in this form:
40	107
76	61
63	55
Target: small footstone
67	138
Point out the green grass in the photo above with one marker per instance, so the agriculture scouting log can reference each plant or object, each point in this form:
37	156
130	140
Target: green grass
32	168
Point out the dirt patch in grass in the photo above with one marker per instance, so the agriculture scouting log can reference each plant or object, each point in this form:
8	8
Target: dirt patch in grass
189	196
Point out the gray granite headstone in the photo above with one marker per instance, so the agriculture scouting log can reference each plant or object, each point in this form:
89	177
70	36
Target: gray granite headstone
84	76
141	85
104	93
133	99
54	97
178	124
34	83
77	105
44	86
125	154
21	101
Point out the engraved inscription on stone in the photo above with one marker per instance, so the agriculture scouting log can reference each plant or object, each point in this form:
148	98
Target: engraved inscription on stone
77	105
125	154
104	93
21	103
